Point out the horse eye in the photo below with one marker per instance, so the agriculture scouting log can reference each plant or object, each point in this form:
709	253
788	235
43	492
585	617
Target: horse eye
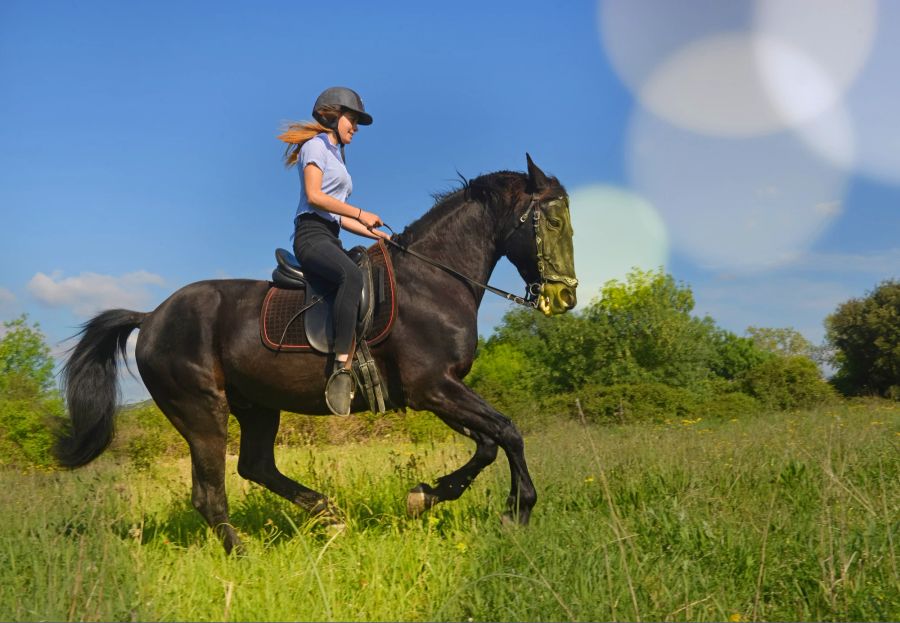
554	222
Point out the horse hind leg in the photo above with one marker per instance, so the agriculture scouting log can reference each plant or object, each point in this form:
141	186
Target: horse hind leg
256	462
203	422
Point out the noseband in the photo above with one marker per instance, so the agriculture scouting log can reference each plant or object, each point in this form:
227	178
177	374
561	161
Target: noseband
533	290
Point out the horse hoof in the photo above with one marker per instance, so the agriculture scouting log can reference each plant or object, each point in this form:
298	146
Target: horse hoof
234	547
326	513
511	520
335	529
239	551
415	503
418	501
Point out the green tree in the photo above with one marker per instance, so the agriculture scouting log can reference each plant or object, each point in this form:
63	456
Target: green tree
865	337
790	382
734	355
786	342
639	330
559	351
29	401
637	351
503	374
648	333
25	361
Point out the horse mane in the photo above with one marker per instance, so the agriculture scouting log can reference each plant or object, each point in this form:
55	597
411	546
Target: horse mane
488	190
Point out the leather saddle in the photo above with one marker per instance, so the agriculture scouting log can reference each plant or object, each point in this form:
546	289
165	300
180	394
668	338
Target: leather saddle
298	299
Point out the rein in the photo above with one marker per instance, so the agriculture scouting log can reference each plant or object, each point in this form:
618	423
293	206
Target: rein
533	289
507	295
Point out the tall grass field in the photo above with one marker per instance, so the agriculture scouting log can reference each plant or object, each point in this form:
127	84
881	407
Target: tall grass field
789	516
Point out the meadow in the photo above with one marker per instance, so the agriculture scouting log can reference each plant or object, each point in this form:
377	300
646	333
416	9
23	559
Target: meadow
786	516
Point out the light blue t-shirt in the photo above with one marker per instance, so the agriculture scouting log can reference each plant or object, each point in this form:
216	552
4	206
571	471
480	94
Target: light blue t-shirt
335	177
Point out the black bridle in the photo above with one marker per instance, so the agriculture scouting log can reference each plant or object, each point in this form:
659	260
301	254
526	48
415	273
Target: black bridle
533	290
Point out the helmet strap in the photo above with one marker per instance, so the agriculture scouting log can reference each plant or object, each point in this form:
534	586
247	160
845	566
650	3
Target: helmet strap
337	135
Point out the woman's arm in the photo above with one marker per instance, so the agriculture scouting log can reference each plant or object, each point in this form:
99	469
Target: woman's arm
312	182
355	227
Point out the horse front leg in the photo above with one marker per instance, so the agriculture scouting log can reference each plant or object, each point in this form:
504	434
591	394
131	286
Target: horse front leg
464	410
450	487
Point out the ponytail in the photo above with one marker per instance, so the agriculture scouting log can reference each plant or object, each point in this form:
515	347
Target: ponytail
296	134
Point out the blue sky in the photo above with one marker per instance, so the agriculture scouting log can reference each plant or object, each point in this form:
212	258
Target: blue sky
750	148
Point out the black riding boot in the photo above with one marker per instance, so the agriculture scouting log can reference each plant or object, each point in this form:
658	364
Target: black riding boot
340	389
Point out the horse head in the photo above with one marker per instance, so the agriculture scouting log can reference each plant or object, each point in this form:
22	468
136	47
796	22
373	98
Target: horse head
539	242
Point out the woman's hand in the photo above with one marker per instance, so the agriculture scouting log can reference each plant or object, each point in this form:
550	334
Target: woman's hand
355	226
369	219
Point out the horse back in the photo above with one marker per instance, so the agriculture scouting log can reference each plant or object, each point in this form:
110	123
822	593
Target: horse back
190	324
206	335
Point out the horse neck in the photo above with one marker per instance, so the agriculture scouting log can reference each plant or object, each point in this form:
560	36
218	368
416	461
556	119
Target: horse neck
461	234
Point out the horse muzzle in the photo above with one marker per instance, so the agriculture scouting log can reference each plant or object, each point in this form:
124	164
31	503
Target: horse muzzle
556	298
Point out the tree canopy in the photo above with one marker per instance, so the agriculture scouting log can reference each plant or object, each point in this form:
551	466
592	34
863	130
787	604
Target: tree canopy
864	334
25	361
29	400
638	343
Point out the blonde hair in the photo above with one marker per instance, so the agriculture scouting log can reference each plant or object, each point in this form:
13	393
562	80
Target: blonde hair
296	134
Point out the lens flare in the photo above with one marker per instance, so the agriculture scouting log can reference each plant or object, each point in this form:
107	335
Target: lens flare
736	204
639	35
615	231
752	69
835	35
874	102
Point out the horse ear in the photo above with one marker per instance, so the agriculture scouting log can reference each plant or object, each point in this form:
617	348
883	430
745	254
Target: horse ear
537	181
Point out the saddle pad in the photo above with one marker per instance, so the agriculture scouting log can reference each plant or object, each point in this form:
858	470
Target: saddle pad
281	305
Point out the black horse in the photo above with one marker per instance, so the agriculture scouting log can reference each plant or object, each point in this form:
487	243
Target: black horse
200	353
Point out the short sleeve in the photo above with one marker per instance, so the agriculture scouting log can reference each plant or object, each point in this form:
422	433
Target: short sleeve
313	152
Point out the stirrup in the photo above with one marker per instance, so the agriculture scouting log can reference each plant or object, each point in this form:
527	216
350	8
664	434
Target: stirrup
339	392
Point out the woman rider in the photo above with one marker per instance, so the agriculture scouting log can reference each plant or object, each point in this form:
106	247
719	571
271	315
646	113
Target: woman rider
317	148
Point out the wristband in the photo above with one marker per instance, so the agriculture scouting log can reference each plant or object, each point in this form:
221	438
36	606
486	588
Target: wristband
360	214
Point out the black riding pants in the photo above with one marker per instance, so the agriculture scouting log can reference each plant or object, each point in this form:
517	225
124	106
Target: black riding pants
317	246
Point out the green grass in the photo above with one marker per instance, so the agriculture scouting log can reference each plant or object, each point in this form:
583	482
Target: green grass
783	517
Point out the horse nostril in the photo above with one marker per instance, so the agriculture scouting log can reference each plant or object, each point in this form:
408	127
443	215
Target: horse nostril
568	298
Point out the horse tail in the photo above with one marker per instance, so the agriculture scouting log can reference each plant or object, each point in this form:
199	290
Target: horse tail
91	387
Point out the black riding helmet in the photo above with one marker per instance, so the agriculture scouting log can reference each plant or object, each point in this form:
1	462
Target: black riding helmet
344	98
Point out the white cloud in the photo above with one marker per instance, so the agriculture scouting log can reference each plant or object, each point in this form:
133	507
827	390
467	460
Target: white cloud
829	208
880	264
7	298
800	295
88	293
771	301
8	307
